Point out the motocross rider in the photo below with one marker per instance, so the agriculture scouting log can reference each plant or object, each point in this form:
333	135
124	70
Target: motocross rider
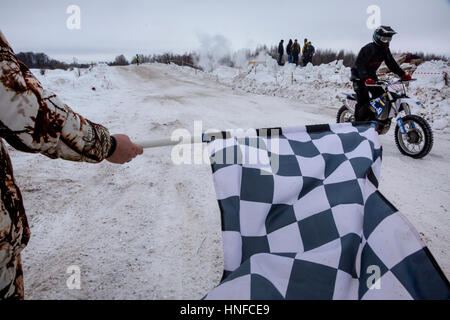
364	71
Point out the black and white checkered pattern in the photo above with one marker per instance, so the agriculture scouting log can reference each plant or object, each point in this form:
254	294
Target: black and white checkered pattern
306	220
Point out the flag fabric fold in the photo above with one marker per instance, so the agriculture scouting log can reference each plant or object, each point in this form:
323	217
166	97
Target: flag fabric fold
302	218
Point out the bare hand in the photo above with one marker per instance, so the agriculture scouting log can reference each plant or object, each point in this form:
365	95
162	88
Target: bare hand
125	150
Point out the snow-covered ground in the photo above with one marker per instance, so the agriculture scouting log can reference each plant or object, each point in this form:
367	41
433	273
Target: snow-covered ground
151	229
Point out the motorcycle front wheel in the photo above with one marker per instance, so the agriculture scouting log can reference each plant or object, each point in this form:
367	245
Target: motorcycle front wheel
418	139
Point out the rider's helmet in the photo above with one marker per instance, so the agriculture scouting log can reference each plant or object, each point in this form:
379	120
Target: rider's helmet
383	35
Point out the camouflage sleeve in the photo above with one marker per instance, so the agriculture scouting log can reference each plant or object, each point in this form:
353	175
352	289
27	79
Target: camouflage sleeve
35	120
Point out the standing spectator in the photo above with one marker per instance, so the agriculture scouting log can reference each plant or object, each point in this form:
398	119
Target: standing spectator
309	53
280	52
137	59
295	51
289	50
305	45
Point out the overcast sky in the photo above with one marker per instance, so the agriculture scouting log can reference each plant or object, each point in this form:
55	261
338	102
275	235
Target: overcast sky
112	27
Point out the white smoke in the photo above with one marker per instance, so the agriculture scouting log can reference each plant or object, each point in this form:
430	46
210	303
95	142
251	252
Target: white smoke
213	50
241	58
216	50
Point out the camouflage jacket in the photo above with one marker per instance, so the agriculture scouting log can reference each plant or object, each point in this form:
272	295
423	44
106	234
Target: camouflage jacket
34	120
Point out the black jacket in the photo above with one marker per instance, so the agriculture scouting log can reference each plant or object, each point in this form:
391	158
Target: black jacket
289	48
280	48
309	51
369	60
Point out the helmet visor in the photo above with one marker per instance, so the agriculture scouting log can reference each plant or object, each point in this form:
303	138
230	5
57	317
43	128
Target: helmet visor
384	39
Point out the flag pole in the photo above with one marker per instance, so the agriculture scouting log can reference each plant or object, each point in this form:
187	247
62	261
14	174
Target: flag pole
156	143
167	142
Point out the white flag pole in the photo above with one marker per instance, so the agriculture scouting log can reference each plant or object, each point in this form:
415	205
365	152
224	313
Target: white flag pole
156	143
167	142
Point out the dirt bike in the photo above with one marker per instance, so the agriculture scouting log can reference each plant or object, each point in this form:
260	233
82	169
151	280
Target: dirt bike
413	135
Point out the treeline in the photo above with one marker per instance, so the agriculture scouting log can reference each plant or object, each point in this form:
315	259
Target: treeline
119	61
321	56
180	59
41	61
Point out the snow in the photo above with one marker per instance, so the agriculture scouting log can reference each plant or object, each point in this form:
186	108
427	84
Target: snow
81	79
440	124
430	75
323	84
150	229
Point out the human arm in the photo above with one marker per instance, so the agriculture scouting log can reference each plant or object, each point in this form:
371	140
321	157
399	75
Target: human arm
393	65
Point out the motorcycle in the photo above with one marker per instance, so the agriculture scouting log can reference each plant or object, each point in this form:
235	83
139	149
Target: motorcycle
413	134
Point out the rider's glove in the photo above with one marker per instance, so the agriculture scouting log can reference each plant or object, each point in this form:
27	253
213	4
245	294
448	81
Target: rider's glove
406	77
370	81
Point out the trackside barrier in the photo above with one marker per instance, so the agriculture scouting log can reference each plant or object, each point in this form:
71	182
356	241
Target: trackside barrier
444	75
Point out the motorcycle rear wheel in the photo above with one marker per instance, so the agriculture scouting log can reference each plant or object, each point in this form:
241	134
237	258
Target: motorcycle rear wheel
344	115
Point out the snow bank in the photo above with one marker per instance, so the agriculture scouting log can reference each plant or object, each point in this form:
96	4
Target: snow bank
430	88
431	75
319	85
100	77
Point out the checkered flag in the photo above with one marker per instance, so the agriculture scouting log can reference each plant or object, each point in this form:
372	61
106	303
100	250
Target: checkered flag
302	218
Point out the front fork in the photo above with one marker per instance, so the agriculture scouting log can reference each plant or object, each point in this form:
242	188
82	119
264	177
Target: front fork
402	125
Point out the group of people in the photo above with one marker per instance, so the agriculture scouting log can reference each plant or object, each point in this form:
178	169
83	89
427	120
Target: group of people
293	51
